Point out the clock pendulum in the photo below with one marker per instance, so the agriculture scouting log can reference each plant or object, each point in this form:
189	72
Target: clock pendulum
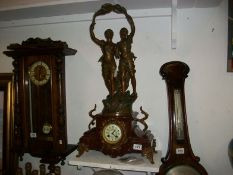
180	159
40	104
116	129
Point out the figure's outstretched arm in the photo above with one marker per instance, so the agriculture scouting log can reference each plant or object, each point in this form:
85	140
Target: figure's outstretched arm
92	34
131	23
121	10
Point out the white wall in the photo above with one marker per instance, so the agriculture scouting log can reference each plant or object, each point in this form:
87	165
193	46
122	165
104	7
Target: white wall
201	43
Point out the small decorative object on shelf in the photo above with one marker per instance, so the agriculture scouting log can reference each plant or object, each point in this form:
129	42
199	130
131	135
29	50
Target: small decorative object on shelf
40	102
19	171
28	168
41	171
35	172
115	131
179	158
57	170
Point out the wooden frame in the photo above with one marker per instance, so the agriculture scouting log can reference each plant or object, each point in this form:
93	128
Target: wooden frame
9	159
230	37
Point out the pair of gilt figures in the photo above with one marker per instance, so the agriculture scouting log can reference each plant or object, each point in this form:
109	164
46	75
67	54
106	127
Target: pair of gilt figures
120	50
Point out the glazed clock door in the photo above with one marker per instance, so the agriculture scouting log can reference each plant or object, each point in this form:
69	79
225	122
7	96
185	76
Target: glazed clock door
40	107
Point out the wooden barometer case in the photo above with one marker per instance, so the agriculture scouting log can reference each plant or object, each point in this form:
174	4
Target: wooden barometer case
40	102
115	131
180	159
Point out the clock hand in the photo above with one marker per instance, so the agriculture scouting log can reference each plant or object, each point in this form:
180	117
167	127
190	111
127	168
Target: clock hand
41	72
116	136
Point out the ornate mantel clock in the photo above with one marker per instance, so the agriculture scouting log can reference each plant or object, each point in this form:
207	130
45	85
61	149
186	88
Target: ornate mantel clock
40	103
179	158
115	131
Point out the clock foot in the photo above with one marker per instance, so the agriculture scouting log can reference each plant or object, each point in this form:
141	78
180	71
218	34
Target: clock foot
81	149
148	153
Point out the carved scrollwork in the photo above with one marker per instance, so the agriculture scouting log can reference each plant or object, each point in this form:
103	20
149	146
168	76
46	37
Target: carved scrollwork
142	120
92	116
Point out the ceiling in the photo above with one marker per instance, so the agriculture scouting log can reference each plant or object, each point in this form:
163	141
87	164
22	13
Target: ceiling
24	9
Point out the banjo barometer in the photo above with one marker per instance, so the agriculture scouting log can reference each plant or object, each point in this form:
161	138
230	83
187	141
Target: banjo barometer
180	159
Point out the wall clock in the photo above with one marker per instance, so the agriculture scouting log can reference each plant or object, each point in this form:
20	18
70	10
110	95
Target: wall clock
180	159
40	104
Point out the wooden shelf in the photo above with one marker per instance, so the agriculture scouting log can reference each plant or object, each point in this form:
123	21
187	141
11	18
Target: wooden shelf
25	9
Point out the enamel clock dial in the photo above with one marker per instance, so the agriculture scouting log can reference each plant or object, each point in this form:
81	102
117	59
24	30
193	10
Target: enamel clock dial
180	158
112	133
40	103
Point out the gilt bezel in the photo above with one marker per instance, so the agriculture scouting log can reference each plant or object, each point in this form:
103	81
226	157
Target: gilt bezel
31	73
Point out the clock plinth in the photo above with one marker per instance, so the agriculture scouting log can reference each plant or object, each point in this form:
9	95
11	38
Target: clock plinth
133	140
116	134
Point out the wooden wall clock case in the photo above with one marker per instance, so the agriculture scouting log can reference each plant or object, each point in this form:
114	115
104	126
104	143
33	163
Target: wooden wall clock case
40	102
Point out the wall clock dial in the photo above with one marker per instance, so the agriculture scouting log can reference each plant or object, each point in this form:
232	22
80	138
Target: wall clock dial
39	73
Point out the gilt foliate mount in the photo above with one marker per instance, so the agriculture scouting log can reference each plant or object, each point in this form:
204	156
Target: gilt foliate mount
115	129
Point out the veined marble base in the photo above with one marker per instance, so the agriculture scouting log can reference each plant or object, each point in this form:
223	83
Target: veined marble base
97	159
